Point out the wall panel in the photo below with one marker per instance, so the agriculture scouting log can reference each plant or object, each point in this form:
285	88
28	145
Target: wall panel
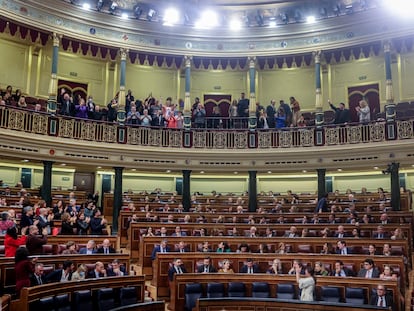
355	183
282	185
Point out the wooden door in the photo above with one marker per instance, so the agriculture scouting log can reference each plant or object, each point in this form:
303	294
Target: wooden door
370	93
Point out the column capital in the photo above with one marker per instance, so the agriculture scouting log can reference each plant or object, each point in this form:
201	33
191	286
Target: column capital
387	46
124	53
252	61
187	60
317	56
56	38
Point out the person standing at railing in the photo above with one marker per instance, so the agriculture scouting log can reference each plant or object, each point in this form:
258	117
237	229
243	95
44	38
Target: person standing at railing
199	116
233	113
243	109
342	115
363	111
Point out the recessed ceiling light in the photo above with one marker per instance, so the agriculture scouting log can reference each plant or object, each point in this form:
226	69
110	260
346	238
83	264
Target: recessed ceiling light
134	169
304	171
168	171
375	167
86	6
63	164
201	172
235	173
339	169
311	19
269	172
124	16
99	167
25	160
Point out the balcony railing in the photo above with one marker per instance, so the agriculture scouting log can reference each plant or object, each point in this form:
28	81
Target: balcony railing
45	124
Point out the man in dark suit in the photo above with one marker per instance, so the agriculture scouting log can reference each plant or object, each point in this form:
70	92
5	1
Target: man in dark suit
341	233
116	269
382	298
206	267
61	275
89	249
38	277
67	107
161	248
341	248
106	248
181	247
380	233
369	270
98	272
340	270
250	267
176	268
342	114
34	242
322	205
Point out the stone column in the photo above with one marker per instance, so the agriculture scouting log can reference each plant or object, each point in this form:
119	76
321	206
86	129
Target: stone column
321	182
252	191
395	186
46	192
389	93
252	89
319	119
53	84
187	99
117	198
121	95
186	190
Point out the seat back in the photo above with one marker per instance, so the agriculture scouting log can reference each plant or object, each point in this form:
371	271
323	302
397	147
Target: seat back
236	289
215	290
260	290
128	296
285	291
44	304
82	300
193	291
47	249
62	303
105	298
330	293
355	295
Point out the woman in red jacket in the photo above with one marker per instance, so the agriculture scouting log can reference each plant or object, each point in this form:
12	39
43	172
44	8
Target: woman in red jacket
12	242
23	268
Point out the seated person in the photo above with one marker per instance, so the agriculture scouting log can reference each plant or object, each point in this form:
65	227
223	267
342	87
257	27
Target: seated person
382	298
80	273
320	269
176	268
106	248
341	248
250	267
388	274
292	233
295	265
340	270
89	249
225	267
61	275
160	248
116	269
70	248
205	247
275	268
98	272
369	270
181	247
206	267
243	248
38	277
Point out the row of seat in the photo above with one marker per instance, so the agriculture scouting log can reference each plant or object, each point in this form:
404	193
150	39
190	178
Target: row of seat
194	291
104	299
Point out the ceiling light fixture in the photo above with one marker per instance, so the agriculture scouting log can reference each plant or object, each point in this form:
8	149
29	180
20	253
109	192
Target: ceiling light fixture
171	17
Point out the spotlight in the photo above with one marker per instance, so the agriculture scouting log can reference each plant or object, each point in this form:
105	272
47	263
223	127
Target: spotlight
113	7
86	6
235	24
99	5
151	14
171	17
137	11
272	23
124	15
311	19
207	19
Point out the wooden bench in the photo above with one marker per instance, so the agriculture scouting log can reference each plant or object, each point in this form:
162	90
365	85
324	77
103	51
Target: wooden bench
274	304
312	245
30	295
51	262
293	218
164	261
5	302
145	306
58	242
178	285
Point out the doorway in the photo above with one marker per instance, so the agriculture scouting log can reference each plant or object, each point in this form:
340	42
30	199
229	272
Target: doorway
222	101
370	93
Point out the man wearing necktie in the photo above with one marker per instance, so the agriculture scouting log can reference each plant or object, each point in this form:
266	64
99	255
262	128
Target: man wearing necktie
207	267
106	248
382	298
176	268
161	248
249	267
369	271
38	276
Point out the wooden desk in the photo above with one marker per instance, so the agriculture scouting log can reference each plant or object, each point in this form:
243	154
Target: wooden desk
163	262
82	240
178	285
7	273
29	295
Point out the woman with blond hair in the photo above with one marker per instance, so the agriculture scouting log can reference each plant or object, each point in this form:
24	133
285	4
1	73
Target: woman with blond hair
225	267
363	111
